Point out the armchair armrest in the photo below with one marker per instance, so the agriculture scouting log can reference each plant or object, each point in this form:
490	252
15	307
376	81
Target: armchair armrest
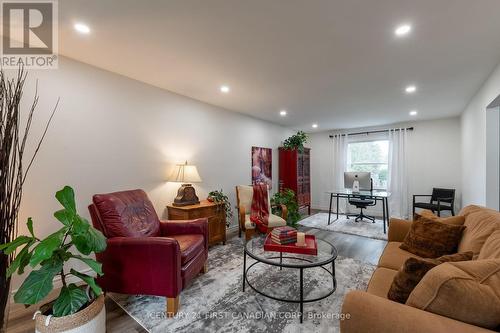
284	212
141	265
398	229
370	313
283	209
420	195
185	227
241	216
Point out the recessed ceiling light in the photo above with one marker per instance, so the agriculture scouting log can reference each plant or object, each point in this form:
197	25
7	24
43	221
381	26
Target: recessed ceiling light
283	113
314	125
224	89
410	89
402	30
82	28
413	113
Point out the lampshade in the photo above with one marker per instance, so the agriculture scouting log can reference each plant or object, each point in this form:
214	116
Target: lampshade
185	173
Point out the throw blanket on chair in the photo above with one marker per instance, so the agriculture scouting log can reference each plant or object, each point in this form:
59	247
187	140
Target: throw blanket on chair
260	207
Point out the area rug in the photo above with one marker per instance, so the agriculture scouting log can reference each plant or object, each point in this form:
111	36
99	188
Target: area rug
344	225
215	302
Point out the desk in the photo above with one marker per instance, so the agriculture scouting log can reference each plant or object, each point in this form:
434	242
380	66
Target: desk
373	195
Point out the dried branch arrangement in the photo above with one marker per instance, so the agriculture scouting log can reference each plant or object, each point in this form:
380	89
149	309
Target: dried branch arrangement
15	125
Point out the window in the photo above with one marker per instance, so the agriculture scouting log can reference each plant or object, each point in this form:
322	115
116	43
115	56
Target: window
370	156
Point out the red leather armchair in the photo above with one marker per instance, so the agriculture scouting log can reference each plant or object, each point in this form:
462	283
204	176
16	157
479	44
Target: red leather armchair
145	255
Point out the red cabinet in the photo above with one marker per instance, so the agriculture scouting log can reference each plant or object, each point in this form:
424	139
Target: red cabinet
295	174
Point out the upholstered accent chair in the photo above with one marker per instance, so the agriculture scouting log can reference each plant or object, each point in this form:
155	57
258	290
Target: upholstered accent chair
244	198
144	255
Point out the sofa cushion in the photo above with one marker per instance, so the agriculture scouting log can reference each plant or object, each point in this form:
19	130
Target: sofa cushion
480	223
413	270
394	257
190	246
491	247
453	220
467	291
431	239
380	282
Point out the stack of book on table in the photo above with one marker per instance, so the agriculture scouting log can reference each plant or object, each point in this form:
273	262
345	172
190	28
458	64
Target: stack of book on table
284	235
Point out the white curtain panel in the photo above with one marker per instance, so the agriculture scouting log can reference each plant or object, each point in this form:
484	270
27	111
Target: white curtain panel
340	142
398	173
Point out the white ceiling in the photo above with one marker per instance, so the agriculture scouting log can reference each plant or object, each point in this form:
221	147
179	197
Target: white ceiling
334	62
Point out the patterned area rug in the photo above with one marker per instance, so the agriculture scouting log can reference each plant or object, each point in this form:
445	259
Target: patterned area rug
363	228
215	302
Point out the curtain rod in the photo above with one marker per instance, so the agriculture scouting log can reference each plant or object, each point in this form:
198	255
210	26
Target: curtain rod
372	132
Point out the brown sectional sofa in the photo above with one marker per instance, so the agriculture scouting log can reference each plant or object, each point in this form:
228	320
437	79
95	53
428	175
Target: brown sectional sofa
371	311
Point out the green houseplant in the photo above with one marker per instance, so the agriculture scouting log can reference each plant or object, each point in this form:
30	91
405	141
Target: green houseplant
296	141
219	197
48	256
287	198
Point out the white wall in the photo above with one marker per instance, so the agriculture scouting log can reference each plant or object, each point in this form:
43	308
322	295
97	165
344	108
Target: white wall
492	157
473	123
433	158
112	133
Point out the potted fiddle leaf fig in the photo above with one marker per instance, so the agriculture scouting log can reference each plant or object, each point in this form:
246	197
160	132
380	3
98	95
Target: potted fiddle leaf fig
77	306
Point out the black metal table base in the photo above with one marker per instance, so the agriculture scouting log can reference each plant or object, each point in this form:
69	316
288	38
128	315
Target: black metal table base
301	299
385	207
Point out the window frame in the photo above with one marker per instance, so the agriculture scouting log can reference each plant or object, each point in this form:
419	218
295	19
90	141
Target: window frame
364	139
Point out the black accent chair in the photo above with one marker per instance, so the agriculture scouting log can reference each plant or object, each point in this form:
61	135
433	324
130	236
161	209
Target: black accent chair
442	199
361	202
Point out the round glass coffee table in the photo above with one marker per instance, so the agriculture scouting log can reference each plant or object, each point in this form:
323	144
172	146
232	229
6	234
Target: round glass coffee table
327	253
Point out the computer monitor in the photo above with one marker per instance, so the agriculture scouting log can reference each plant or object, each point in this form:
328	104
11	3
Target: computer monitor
364	179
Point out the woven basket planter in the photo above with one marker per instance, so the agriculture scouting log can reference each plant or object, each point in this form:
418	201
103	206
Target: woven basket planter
92	319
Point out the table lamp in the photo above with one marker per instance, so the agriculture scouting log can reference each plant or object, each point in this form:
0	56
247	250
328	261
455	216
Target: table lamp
185	174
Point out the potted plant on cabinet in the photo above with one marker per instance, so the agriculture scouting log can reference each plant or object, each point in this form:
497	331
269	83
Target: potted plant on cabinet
296	141
76	307
220	198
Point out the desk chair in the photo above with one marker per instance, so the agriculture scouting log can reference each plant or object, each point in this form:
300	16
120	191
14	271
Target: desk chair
441	199
362	202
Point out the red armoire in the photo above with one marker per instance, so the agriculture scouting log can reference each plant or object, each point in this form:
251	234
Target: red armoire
295	174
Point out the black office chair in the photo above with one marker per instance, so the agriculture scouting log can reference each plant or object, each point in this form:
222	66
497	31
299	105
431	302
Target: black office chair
442	199
361	202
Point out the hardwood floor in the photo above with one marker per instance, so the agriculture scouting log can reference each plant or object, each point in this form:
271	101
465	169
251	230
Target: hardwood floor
117	320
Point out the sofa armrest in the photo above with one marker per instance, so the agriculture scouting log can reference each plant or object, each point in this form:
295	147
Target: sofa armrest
370	313
185	227
398	229
141	265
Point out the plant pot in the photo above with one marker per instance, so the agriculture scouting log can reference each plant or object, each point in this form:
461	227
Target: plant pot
91	319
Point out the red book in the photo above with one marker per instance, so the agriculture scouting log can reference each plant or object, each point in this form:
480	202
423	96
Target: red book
286	240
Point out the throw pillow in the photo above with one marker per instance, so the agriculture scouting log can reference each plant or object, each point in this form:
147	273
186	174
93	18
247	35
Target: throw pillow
413	270
467	291
453	220
431	239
